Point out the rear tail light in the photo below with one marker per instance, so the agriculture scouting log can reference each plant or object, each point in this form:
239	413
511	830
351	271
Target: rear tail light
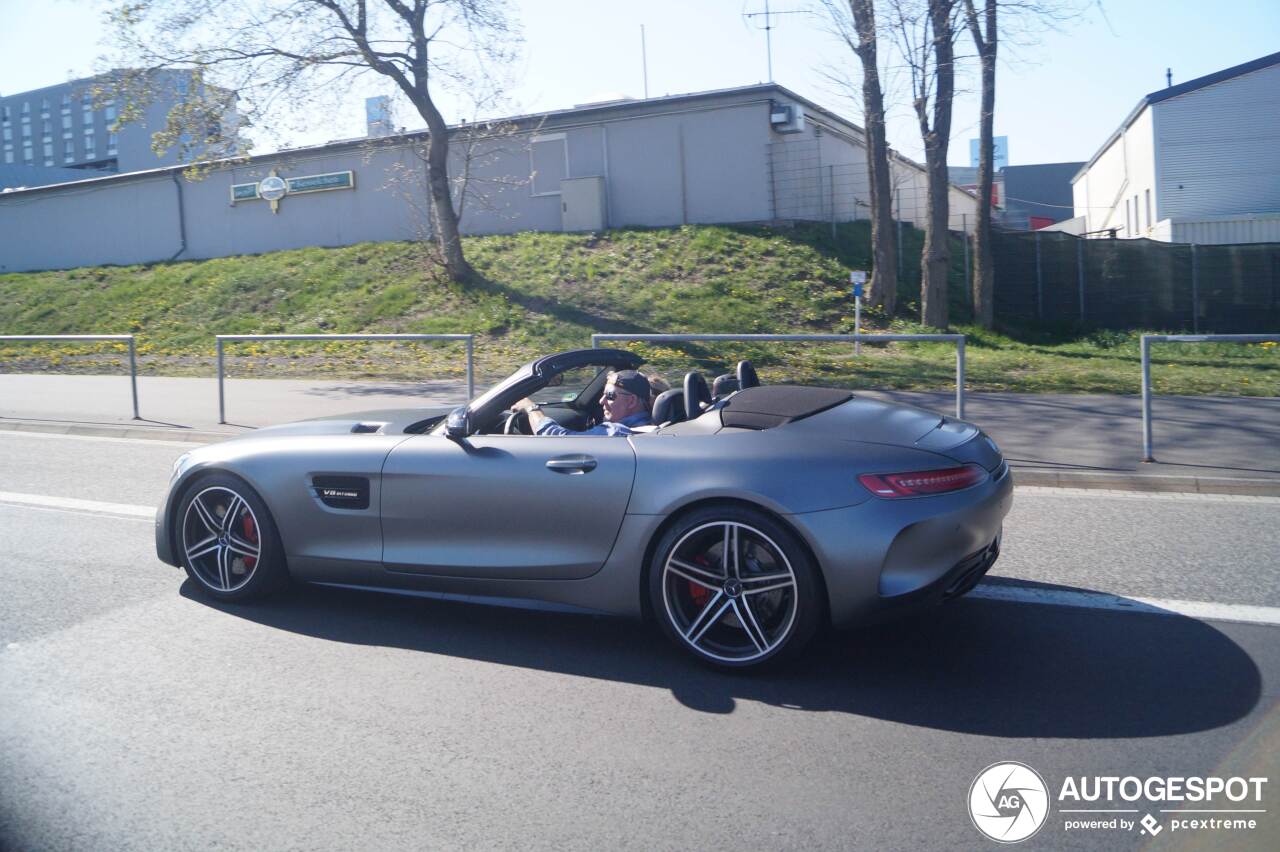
921	483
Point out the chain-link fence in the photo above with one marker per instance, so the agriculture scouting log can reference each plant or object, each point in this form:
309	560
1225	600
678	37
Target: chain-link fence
1055	278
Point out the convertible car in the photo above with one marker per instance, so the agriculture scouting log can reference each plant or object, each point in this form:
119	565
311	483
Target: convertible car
745	520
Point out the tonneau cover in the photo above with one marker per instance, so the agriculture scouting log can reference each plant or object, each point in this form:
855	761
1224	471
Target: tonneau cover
767	406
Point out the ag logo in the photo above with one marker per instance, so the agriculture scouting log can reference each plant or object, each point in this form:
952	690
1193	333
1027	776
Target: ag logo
1008	802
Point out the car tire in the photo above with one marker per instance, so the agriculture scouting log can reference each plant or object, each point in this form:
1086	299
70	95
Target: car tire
760	608
231	559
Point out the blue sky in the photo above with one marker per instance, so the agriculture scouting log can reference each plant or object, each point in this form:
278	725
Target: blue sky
1057	100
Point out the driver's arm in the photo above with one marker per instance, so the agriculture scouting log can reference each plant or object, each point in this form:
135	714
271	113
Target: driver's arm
536	417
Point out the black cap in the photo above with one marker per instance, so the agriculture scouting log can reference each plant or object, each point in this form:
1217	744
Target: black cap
633	382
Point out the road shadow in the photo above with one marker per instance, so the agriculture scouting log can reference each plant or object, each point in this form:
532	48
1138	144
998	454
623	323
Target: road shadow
975	666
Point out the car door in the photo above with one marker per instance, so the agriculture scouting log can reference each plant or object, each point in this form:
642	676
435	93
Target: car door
504	506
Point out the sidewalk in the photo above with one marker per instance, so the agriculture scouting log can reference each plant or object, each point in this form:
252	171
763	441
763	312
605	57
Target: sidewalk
1219	444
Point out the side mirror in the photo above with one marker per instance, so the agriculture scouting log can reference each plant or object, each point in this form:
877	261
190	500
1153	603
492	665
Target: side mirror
458	426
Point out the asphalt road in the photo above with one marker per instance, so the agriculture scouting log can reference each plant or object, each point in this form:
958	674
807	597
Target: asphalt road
135	714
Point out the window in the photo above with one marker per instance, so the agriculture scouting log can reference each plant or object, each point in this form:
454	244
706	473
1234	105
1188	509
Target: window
1137	225
66	122
44	107
69	150
48	129
27	156
90	146
1148	198
8	134
66	102
26	109
26	131
549	163
111	144
8	153
4	113
110	112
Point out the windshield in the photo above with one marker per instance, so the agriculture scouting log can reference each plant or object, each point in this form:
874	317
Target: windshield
568	386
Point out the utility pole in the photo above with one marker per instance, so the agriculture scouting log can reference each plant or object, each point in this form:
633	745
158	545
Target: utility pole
644	63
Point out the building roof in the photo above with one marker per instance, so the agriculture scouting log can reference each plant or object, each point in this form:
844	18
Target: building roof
1173	92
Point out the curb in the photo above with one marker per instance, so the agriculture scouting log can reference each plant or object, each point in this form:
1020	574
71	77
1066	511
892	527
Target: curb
1147	482
1022	476
108	430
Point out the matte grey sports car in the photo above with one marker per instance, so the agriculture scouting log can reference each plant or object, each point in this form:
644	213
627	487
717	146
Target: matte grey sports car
741	523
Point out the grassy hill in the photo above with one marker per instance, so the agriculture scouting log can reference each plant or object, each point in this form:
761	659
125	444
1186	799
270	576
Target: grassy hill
538	292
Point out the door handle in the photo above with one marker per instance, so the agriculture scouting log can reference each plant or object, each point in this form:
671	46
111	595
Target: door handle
572	465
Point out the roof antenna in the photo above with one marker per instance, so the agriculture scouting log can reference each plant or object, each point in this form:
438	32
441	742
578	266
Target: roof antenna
1168	77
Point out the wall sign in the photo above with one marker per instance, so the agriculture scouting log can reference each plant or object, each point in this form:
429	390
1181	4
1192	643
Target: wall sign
273	187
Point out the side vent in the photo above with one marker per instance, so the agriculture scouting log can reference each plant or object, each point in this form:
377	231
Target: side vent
367	428
342	492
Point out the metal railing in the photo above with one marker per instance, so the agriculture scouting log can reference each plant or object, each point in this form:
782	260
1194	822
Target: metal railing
1148	339
133	353
957	339
222	339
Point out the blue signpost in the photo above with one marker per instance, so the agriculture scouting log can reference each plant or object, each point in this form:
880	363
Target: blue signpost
858	278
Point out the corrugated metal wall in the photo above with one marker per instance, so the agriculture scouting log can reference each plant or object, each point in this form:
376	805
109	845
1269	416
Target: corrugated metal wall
1219	148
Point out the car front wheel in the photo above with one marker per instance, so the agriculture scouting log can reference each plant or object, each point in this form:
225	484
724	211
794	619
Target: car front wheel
227	540
734	587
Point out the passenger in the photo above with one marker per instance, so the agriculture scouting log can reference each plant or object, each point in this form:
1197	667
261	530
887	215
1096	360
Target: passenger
625	402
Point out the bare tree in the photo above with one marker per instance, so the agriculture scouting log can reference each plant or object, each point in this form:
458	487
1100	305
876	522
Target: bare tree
857	28
925	30
276	52
985	36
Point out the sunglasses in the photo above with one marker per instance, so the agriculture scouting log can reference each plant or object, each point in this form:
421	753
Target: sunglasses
613	394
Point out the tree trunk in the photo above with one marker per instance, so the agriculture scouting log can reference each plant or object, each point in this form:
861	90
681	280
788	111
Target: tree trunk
936	257
983	265
884	255
444	219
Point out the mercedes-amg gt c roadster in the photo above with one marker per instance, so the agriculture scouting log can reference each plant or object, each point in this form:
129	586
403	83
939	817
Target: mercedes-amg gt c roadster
742	523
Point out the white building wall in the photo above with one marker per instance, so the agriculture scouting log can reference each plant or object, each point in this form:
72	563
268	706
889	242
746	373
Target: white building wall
1220	148
1113	192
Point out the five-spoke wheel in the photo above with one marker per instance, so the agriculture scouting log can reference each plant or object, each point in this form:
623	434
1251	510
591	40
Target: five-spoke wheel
227	539
734	587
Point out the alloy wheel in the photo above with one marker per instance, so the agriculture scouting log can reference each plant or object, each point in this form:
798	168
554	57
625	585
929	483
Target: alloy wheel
730	592
221	539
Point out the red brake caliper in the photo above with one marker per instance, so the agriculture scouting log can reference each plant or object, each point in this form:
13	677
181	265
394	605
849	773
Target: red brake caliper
700	594
251	535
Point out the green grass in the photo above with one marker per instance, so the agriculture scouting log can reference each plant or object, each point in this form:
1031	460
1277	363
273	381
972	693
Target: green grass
538	292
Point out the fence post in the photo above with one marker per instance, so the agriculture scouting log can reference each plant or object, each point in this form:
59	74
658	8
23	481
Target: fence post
1146	398
222	410
133	376
831	185
1080	273
964	235
471	373
960	377
1195	290
1039	281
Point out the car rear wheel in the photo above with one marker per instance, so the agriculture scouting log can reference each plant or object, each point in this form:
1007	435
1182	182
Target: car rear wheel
734	587
227	540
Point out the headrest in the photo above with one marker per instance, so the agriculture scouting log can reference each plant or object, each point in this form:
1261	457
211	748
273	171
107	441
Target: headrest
724	385
669	406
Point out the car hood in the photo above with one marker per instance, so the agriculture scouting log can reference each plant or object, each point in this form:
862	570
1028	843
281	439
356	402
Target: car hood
387	421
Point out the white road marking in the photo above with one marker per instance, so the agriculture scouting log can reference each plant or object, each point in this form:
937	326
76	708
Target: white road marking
1202	610
73	504
145	442
1109	494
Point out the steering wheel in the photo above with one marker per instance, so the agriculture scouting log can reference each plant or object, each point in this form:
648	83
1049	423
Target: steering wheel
517	423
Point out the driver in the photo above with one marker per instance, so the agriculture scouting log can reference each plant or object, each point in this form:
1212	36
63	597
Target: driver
625	402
